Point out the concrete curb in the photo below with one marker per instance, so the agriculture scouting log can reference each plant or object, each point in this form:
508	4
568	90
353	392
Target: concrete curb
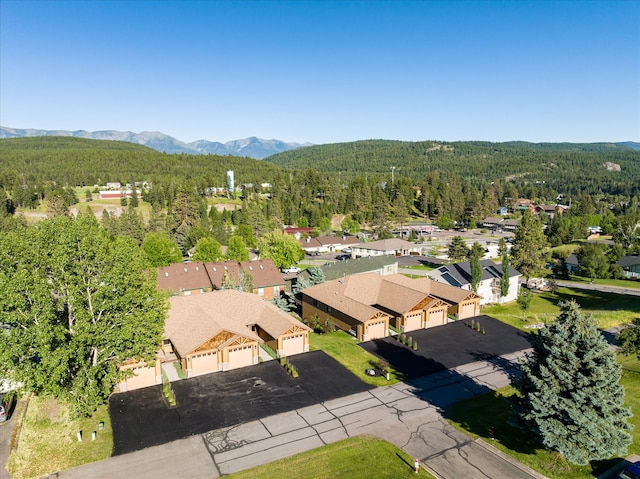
494	450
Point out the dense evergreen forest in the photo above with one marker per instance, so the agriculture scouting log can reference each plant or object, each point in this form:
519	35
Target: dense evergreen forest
570	169
451	183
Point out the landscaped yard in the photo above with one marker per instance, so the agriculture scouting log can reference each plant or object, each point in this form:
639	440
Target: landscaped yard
608	309
344	349
359	457
476	416
49	443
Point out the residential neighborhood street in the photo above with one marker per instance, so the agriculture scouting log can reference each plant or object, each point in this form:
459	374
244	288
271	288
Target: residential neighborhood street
409	415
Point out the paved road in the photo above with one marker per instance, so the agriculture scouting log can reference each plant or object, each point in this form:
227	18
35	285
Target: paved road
408	415
600	287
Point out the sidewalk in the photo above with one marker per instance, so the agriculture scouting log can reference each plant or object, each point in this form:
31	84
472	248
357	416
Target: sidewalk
404	414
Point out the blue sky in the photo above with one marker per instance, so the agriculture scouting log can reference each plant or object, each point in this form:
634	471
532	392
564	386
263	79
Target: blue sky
325	71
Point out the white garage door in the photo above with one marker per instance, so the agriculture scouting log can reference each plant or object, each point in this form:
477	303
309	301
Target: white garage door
468	311
143	377
293	345
204	364
413	322
240	357
436	318
376	330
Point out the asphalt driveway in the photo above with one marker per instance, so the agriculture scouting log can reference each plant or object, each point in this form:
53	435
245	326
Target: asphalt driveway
142	418
449	346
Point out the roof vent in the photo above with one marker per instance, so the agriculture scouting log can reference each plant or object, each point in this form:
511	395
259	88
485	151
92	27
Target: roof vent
185	270
214	269
250	268
197	268
166	274
261	267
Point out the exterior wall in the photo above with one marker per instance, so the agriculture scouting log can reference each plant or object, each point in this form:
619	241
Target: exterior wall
268	291
343	321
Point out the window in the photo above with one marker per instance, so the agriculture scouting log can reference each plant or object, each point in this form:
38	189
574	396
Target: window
260	291
329	309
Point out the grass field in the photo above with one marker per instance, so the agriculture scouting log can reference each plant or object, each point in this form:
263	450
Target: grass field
358	457
608	309
476	416
48	440
344	349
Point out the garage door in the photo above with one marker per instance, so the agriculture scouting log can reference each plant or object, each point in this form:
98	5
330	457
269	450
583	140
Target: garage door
204	364
468	311
413	322
143	377
436	318
376	330
293	345
240	357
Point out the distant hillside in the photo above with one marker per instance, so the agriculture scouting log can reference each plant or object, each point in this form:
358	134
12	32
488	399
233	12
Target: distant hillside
80	161
567	167
249	147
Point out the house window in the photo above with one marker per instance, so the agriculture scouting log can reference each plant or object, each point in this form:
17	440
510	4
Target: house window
276	289
315	303
329	309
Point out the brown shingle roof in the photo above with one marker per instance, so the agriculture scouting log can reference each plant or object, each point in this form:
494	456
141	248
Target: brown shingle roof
357	295
183	277
264	273
193	320
428	286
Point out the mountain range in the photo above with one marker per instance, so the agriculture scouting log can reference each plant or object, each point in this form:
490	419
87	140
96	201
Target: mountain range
248	147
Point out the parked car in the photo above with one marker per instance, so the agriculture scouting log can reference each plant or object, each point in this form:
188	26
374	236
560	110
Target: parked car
291	270
313	253
632	471
6	405
346	250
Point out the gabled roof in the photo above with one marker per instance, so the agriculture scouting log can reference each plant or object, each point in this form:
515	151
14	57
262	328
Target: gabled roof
325	241
264	273
629	260
193	320
392	244
446	292
358	296
183	277
340	269
210	275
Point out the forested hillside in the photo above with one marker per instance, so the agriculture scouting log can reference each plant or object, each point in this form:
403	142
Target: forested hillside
571	169
71	161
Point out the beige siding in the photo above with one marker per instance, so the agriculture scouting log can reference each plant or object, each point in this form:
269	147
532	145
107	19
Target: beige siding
467	310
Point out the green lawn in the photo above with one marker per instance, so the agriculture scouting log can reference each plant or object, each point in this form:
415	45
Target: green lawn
476	416
608	309
344	349
359	457
48	440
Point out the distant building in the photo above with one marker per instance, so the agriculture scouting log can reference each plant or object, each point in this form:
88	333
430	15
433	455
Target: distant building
230	181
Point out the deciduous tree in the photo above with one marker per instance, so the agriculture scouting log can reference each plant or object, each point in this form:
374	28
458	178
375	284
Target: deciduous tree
283	249
80	303
161	250
207	249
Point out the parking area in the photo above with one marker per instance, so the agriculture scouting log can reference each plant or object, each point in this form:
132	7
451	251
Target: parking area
449	346
142	418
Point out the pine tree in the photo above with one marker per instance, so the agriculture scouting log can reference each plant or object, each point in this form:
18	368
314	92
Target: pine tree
571	396
458	250
475	254
528	254
504	279
316	276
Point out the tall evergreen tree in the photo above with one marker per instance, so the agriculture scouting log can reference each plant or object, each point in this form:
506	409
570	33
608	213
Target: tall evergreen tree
458	250
475	254
504	279
571	395
528	253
